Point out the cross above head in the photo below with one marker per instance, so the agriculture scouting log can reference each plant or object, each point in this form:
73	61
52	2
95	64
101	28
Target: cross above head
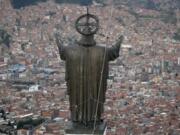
87	10
87	18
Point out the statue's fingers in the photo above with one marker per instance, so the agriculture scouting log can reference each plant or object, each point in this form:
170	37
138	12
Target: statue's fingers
121	37
58	38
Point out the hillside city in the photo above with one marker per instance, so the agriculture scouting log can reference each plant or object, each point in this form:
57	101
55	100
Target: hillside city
143	94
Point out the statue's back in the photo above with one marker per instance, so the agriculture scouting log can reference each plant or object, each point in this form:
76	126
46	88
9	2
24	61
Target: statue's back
83	75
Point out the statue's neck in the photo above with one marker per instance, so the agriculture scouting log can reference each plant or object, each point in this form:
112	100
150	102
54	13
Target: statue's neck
87	41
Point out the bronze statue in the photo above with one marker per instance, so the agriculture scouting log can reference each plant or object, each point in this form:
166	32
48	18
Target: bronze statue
87	71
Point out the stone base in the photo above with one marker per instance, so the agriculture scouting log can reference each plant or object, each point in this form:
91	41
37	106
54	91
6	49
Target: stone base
80	129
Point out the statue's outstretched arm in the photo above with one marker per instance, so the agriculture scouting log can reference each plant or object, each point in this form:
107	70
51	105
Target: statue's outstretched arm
113	52
60	46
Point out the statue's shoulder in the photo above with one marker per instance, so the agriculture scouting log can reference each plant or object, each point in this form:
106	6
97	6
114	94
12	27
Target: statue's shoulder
101	46
72	47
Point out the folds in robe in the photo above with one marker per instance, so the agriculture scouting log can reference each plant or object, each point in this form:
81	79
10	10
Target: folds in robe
86	77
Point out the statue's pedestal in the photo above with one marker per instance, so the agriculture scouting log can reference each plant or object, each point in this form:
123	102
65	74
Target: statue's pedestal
80	129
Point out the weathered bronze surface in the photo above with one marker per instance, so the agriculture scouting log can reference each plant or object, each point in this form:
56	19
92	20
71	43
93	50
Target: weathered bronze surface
86	76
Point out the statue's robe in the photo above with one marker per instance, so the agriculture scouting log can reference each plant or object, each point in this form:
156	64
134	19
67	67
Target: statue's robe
86	87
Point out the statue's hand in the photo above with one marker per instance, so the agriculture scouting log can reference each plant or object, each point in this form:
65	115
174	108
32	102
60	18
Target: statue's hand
114	49
119	42
59	41
120	39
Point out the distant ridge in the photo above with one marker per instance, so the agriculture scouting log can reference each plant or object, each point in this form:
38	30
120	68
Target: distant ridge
17	4
81	2
164	5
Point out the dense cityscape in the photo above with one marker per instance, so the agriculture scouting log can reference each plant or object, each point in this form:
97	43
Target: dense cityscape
143	96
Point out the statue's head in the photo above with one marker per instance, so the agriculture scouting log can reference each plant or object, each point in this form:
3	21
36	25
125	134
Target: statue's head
87	25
